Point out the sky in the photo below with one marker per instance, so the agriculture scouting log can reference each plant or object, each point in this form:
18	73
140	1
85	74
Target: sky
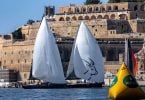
15	13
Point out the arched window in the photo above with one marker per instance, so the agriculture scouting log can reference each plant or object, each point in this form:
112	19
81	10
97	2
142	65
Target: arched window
93	17
77	10
109	8
80	18
115	7
106	17
102	9
74	18
83	9
90	9
112	16
96	9
86	17
67	18
123	16
99	17
61	19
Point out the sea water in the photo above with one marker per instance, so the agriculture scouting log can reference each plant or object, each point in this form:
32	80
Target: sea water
54	94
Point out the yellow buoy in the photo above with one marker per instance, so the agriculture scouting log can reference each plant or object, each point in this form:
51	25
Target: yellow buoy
124	86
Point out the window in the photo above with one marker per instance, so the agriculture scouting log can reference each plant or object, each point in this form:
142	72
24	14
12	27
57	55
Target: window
11	61
77	10
90	9
25	75
109	8
84	9
67	18
97	9
80	18
61	19
25	60
74	18
116	8
135	8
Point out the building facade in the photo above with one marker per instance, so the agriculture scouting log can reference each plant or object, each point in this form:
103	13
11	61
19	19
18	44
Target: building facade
109	23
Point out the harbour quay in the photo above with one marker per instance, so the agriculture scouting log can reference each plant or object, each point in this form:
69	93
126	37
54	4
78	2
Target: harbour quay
110	24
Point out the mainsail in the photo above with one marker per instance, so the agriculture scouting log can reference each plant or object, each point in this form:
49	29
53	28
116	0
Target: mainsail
47	64
86	57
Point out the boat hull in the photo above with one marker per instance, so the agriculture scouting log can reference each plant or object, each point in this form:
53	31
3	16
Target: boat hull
62	86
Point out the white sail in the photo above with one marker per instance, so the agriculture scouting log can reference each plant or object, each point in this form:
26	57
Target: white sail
47	64
86	57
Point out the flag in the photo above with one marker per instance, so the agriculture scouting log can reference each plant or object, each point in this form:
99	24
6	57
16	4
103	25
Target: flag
135	66
130	60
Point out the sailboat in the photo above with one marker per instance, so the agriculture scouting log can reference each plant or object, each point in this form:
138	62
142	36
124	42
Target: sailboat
46	64
86	59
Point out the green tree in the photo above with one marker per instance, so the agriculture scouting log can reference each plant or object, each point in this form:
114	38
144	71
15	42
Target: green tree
92	2
116	1
17	34
30	21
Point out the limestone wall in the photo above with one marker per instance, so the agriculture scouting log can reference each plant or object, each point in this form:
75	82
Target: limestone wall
104	23
100	28
17	55
124	10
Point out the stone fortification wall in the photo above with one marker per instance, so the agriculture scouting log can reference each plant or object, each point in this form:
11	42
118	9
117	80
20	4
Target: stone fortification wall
17	55
101	28
125	10
115	21
104	20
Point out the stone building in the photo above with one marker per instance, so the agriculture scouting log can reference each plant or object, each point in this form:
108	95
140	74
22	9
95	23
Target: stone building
109	23
16	55
104	20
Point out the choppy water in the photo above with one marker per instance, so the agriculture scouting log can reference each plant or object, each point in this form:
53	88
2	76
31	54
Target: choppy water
54	94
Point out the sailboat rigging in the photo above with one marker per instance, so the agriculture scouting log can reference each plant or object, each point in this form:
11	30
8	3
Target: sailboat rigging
86	58
47	64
